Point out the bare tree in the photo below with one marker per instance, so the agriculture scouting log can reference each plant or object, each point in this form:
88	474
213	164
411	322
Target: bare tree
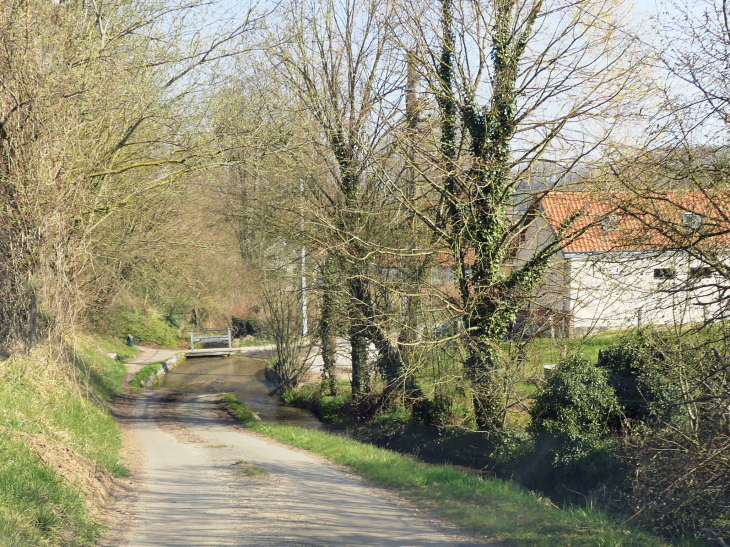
675	184
339	61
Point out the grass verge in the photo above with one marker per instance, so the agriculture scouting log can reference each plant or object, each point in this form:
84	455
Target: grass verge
493	508
56	439
257	341
38	507
138	382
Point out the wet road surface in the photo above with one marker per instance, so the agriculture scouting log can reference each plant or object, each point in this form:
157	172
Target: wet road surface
244	377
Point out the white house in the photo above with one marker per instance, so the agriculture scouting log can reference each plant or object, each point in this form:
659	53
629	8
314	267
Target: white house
616	271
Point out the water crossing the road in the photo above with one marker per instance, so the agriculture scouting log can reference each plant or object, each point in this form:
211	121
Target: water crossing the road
242	376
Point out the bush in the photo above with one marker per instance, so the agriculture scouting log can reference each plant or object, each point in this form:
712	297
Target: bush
680	458
332	408
575	409
632	373
392	416
442	411
328	408
434	411
509	447
242	327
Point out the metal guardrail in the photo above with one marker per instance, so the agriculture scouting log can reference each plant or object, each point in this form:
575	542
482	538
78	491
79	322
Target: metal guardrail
205	338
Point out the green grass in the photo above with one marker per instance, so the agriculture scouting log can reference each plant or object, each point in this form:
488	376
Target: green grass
101	346
251	471
496	509
144	373
147	328
543	351
104	375
263	341
239	409
63	398
37	507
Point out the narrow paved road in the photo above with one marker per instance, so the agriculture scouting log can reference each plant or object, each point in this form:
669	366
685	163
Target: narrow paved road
204	481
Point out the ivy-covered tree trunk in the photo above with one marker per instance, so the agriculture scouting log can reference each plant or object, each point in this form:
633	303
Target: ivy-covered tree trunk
477	199
359	336
484	371
392	364
350	222
327	333
491	131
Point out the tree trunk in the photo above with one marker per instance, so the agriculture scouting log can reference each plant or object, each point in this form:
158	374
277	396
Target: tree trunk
477	199
482	369
358	335
327	327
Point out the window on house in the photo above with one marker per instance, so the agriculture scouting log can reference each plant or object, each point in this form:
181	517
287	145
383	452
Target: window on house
701	272
611	223
691	221
522	237
664	273
518	243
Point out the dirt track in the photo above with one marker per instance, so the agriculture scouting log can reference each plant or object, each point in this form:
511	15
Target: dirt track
199	480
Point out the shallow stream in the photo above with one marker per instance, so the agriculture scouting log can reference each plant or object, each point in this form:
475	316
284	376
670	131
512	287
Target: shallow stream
242	376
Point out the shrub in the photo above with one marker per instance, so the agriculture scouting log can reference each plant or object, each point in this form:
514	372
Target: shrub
392	416
575	409
327	408
241	326
509	446
443	411
680	458
434	411
332	408
632	373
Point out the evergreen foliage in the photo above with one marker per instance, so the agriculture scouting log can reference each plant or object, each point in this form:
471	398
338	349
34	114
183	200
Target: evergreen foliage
578	408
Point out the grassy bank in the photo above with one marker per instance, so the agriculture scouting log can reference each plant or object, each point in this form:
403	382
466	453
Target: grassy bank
145	372
58	442
149	374
149	328
496	509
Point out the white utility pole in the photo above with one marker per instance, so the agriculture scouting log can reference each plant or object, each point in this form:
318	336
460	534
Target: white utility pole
305	326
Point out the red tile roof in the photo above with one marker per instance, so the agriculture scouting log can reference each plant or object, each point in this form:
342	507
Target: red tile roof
627	222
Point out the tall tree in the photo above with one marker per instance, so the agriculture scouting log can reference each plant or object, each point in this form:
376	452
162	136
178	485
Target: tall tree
339	60
513	81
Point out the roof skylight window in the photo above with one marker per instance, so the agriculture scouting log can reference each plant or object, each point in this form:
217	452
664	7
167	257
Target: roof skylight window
611	223
691	221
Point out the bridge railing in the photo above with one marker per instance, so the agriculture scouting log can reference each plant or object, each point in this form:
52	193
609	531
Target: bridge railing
210	335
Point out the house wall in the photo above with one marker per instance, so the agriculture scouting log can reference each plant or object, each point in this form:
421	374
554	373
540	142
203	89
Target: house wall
593	292
620	290
549	312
